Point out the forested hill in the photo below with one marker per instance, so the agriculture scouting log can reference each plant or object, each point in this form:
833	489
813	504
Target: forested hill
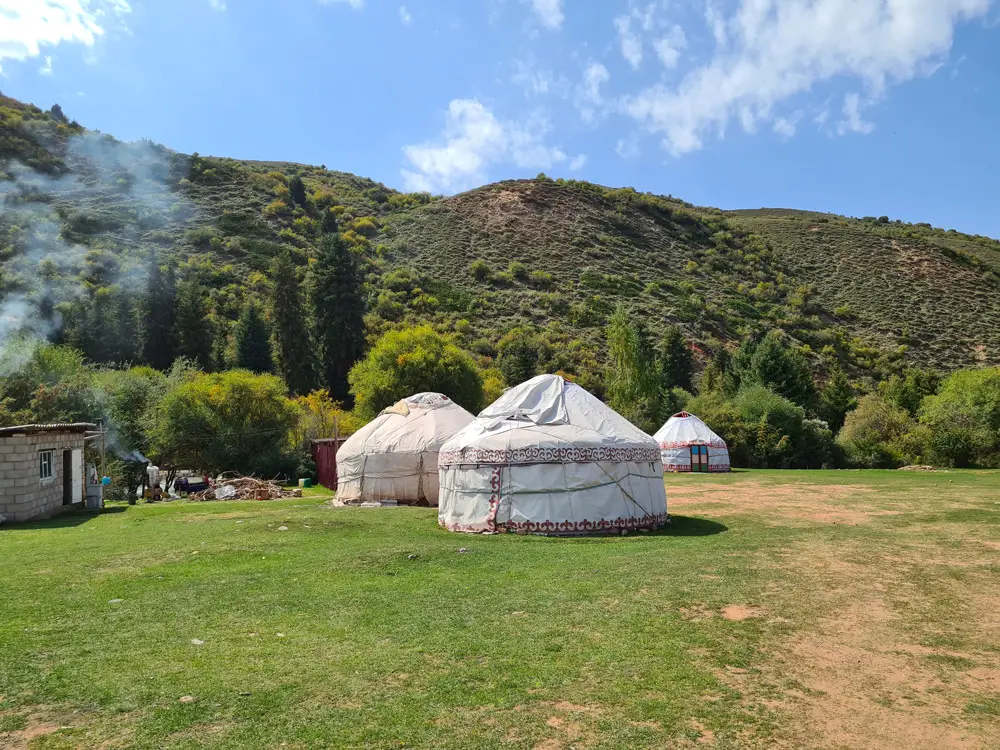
86	219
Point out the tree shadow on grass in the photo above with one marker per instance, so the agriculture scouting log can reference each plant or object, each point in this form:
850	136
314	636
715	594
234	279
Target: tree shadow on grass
66	519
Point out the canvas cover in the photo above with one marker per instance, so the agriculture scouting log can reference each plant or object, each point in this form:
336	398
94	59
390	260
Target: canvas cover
549	457
683	431
393	458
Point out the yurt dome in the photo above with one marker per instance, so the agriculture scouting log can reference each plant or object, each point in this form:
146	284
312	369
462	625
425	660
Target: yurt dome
688	444
393	459
548	457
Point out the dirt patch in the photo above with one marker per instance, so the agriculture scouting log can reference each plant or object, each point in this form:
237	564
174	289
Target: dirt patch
705	736
696	612
814	503
21	738
738	612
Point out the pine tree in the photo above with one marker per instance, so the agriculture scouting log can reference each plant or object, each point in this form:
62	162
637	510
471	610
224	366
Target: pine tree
338	314
252	339
195	332
836	399
158	315
293	350
633	386
676	360
297	191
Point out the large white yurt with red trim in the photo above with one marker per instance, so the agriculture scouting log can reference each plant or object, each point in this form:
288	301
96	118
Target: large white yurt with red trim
548	457
393	460
688	444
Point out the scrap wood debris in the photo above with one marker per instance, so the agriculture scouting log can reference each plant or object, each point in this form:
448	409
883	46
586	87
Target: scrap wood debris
245	488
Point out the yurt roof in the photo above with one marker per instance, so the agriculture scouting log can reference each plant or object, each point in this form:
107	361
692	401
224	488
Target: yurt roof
548	420
417	424
685	429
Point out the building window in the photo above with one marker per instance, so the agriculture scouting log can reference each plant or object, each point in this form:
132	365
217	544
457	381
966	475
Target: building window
44	465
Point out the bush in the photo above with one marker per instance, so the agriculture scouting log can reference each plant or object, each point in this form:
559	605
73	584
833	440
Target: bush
231	421
542	279
412	361
964	419
872	435
480	270
518	270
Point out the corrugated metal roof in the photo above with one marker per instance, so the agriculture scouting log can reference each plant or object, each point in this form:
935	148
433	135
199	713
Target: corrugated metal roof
29	428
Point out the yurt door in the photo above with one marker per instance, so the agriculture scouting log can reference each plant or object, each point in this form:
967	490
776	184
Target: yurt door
699	458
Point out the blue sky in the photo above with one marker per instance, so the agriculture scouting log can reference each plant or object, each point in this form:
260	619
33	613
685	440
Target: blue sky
861	107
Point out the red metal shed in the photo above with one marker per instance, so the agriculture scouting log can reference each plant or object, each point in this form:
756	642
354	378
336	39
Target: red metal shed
324	453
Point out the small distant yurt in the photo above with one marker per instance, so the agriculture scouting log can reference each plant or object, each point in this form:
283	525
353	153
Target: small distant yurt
548	457
393	459
688	444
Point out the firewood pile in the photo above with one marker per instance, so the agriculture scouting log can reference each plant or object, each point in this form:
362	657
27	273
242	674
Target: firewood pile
245	488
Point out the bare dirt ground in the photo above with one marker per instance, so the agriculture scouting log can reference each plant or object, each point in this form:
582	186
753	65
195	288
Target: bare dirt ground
896	641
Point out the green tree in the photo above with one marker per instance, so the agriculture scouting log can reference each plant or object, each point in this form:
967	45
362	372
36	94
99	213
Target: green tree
297	191
252	341
338	314
412	361
676	360
195	332
836	399
964	419
633	382
293	349
230	421
872	434
776	366
518	356
908	389
158	315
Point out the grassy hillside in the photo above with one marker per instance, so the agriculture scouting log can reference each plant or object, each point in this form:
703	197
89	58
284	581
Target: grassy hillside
555	255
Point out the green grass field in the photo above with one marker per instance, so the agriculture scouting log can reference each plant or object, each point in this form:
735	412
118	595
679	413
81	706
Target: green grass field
790	609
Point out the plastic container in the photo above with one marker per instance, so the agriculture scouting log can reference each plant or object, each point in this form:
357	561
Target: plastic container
307	482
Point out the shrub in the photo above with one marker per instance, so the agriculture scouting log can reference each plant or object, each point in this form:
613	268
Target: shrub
518	270
542	279
480	270
872	433
276	208
964	419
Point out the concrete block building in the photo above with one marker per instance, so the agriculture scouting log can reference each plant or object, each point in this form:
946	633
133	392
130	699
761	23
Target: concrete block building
41	469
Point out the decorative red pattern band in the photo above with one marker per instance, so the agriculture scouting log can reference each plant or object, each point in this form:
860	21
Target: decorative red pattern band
687	444
567	527
549	455
687	467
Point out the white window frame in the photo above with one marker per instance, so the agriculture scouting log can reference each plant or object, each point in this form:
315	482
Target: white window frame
46	471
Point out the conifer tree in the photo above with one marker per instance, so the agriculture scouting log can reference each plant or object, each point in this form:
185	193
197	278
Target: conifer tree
293	350
252	340
338	314
676	360
297	191
195	332
836	399
158	315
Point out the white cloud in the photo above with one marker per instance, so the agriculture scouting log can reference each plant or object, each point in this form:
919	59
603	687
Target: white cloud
589	98
474	139
356	4
404	15
630	41
784	127
628	148
852	122
46	69
769	51
669	47
549	12
533	80
578	162
217	4
29	25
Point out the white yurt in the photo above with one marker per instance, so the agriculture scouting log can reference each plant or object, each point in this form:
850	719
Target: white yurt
688	444
548	457
393	459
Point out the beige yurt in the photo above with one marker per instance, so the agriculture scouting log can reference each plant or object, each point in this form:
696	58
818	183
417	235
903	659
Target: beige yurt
548	457
688	444
393	459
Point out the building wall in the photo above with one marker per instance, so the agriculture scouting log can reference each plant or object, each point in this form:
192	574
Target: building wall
23	496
